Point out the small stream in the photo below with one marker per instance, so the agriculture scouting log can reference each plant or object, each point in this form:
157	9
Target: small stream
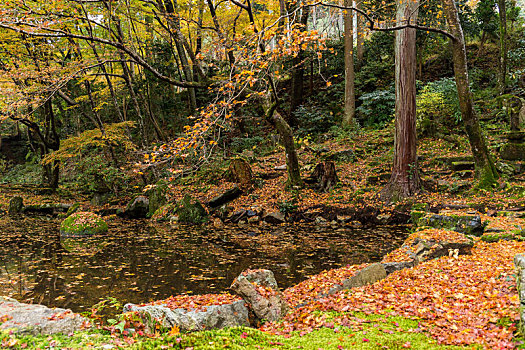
139	261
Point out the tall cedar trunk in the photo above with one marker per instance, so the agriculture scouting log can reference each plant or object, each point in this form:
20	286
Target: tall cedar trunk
404	181
360	37
349	113
286	135
503	46
298	74
485	170
174	22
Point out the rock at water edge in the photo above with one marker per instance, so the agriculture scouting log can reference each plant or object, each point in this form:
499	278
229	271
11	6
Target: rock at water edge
213	317
37	319
259	290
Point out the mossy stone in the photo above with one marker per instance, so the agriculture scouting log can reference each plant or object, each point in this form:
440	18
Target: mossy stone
513	151
157	196
191	211
82	224
187	210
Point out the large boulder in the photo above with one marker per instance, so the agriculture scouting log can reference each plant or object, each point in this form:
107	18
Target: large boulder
464	223
157	196
513	151
137	208
259	290
187	211
83	224
38	319
426	245
191	211
212	317
369	275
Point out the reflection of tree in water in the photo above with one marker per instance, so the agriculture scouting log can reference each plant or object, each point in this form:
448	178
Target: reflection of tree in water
30	254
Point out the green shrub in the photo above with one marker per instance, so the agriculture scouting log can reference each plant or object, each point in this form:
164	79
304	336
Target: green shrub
377	108
438	107
313	121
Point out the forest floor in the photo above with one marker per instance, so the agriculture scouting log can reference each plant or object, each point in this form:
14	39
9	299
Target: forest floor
470	300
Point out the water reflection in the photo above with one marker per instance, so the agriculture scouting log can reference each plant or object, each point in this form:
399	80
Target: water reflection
138	262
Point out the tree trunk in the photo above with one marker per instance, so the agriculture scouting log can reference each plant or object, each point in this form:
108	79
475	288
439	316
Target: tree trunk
298	74
286	134
360	37
49	142
503	46
404	181
486	172
482	44
174	23
324	176
349	112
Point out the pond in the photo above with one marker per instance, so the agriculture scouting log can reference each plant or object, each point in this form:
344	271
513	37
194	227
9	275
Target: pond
139	261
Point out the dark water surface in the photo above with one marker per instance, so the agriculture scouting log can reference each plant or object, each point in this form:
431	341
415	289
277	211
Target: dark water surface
139	262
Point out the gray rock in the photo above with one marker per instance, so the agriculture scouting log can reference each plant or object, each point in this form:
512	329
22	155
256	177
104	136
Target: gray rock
213	317
259	290
16	204
191	211
38	319
368	275
423	250
137	208
320	220
157	196
396	266
468	224
274	218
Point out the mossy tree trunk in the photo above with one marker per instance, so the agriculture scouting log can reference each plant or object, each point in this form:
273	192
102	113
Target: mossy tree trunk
486	172
404	181
287	140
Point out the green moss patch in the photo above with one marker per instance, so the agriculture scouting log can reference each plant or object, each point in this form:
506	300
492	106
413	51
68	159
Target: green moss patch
83	224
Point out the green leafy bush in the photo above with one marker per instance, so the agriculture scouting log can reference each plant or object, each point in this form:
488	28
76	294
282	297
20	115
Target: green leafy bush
377	108
438	107
313	120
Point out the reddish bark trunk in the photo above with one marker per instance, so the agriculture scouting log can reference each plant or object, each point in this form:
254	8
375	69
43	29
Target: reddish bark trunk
404	181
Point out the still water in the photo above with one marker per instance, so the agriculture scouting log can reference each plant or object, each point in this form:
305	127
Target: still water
138	261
